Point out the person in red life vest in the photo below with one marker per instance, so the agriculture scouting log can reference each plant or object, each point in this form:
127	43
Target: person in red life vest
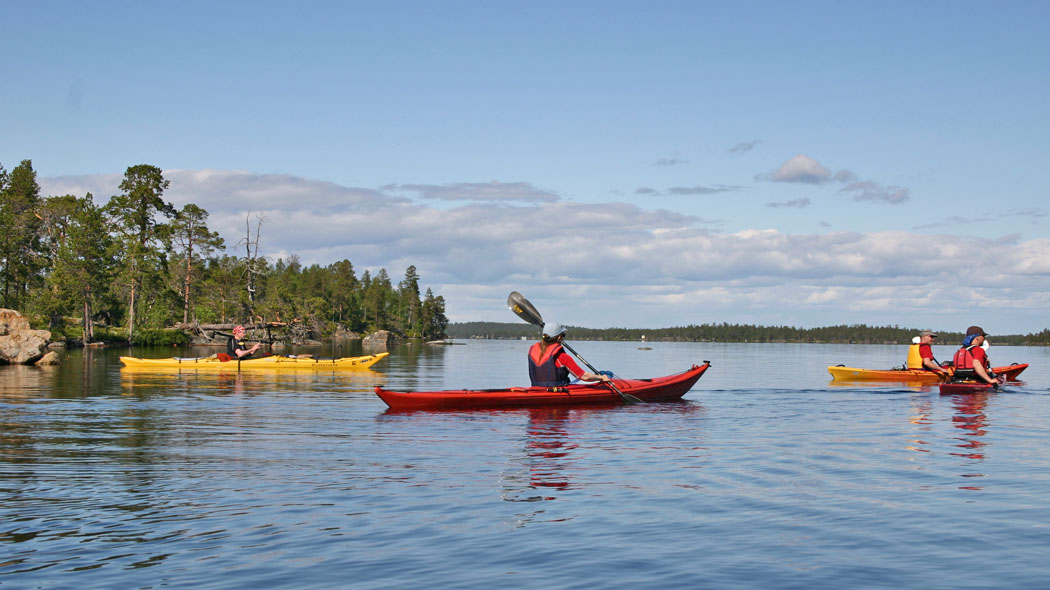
970	361
550	365
920	354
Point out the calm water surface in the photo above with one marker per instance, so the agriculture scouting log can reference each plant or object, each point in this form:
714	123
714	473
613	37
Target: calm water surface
768	476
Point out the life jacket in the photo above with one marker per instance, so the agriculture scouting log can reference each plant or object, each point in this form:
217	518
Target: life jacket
544	372
233	344
963	359
914	358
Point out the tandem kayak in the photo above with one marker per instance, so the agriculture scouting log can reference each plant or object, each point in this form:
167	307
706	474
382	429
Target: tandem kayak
841	373
657	389
271	362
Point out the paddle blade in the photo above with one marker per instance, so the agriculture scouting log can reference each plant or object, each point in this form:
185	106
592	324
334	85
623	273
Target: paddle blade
523	309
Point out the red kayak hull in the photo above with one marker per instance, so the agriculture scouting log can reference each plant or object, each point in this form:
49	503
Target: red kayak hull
657	389
965	387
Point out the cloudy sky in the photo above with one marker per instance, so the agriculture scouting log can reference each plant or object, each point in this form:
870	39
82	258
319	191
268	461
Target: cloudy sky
639	164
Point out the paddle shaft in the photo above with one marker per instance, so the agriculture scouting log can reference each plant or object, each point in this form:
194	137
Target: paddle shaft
626	397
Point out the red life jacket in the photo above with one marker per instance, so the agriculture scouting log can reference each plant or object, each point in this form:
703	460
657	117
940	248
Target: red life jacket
963	358
545	372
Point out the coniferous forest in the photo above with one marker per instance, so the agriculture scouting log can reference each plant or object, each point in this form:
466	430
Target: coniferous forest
133	267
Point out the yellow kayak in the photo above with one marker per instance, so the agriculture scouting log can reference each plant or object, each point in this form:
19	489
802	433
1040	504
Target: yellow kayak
271	362
841	373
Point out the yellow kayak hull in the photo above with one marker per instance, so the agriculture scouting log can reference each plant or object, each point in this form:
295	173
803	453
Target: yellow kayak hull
840	373
356	363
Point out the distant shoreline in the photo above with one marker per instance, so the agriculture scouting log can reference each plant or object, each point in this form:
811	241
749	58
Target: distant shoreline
855	334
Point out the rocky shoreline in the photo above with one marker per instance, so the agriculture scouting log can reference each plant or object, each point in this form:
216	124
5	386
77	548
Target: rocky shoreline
22	345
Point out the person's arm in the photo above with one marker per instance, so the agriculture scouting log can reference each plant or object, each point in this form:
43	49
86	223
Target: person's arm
979	361
240	352
983	374
932	365
567	361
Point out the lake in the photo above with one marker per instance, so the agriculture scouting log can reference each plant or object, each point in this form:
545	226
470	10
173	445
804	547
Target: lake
766	476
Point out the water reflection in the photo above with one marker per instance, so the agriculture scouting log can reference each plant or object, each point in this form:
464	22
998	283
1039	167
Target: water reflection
918	386
24	382
922	408
549	447
548	461
82	373
971	419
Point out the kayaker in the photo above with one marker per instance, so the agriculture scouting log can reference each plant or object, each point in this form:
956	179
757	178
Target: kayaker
237	348
920	354
971	362
550	365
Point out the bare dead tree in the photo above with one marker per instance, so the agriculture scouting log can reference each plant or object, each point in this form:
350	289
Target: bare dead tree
253	267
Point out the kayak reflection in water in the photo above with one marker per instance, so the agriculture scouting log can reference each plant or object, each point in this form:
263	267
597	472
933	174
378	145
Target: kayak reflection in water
550	365
971	418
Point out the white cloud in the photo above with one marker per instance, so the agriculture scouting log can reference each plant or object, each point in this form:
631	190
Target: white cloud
656	267
800	168
806	170
871	191
494	191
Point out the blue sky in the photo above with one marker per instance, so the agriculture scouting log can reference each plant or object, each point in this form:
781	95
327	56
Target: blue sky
620	163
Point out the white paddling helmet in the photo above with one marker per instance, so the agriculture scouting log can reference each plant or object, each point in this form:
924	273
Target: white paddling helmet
553	329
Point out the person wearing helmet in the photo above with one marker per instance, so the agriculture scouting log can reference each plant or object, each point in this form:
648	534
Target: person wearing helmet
550	365
971	362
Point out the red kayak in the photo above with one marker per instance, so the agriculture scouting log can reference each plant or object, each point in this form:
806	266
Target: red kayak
967	387
657	389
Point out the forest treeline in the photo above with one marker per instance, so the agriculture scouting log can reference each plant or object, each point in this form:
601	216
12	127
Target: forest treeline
851	334
134	267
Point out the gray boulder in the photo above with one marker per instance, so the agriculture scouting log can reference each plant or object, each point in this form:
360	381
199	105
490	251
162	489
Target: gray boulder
19	344
379	339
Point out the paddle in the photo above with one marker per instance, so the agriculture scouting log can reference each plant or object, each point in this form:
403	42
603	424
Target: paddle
526	311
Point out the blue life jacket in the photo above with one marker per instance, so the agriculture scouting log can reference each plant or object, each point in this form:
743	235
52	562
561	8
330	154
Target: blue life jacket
544	372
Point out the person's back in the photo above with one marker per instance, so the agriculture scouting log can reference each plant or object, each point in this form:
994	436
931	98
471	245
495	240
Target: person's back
550	366
971	362
544	370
